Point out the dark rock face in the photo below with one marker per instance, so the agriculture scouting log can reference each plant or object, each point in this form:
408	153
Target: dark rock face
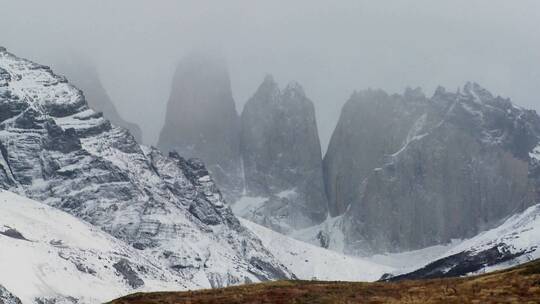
202	121
7	297
461	264
447	168
132	278
85	76
57	150
13	233
372	125
282	157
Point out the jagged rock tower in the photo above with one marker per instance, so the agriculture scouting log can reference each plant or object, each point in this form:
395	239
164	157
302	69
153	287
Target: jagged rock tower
406	172
282	159
202	121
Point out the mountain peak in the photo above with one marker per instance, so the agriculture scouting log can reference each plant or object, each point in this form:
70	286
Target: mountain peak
399	148
476	91
84	165
269	79
282	158
294	88
416	93
83	72
368	95
268	89
201	119
439	91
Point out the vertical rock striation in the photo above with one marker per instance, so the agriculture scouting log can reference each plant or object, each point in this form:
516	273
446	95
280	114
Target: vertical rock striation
202	121
373	124
423	172
282	158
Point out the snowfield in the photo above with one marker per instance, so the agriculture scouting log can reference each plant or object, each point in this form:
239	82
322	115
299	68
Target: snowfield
49	254
308	261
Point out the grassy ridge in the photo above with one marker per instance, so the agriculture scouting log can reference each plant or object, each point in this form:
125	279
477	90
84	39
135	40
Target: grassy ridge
516	285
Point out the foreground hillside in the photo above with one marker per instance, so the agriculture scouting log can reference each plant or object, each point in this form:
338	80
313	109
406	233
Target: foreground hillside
517	285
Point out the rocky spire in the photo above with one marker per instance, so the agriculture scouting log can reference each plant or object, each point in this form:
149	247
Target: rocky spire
282	157
201	119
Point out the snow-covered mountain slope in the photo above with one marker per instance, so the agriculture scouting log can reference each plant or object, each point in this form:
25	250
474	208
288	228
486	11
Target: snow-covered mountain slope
514	242
84	74
328	234
58	151
312	262
49	254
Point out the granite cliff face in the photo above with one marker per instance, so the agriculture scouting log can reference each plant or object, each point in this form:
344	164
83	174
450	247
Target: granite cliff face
268	162
202	121
282	159
373	124
448	167
58	151
402	171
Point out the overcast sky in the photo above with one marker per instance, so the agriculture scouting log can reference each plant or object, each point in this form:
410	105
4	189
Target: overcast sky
330	47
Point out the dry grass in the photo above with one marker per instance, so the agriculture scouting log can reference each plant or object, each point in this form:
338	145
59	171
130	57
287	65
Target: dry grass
516	285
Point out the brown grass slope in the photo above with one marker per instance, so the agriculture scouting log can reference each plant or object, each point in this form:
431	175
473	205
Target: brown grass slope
516	285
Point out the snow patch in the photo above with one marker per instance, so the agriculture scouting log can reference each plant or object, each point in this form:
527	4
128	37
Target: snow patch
248	205
535	153
413	134
286	193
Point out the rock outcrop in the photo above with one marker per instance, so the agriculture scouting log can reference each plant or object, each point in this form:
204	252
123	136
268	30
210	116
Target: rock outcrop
373	125
202	121
7	297
57	150
282	159
423	172
83	74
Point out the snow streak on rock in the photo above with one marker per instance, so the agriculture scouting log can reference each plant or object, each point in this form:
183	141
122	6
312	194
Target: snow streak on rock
407	172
